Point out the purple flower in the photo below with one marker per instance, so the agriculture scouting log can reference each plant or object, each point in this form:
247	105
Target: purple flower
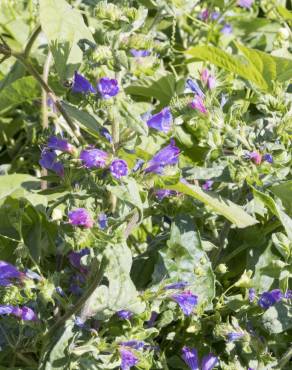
204	15
60	144
288	294
102	221
204	75
215	15
165	157
124	314
60	291
268	158
75	259
255	157
136	344
268	299
251	294
161	121
208	185
48	161
82	85
223	101
6	309
28	314
164	193
32	275
128	359
226	29
178	285
140	53
119	168
139	163
80	217
190	357
211	82
198	104
108	87
151	321
209	361
7	272
79	322
105	132
232	337
195	87
75	282
24	313
245	3
186	300
93	158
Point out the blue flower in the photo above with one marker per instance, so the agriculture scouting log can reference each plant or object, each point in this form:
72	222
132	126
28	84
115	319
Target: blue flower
190	357
161	121
124	314
93	158
288	294
165	157
227	29
163	193
136	344
151	321
119	168
209	361
56	143
268	299
232	337
186	300
140	53
75	259
128	359
105	132
48	161
79	322
82	85
8	272
178	285
32	275
102	221
138	165
251	294
195	87
208	185
108	87
268	158
24	313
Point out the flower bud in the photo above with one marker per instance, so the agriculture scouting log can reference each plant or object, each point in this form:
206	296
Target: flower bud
245	280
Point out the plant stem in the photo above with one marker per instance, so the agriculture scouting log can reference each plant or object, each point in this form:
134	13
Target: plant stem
45	121
78	305
31	40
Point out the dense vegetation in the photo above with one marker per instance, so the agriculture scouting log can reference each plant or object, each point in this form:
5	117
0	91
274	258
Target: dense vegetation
145	189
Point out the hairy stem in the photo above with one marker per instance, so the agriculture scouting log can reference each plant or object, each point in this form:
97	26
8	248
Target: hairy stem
45	121
31	40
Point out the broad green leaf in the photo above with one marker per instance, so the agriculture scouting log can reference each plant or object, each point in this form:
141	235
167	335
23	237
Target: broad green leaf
185	259
59	358
120	292
21	185
162	89
17	71
277	318
284	192
234	213
31	231
84	119
20	91
229	62
285	13
276	210
256	66
64	28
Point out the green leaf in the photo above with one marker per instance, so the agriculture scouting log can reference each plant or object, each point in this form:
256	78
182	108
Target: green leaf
20	91
17	71
285	13
21	185
64	27
234	213
229	62
256	66
277	318
284	192
31	231
185	259
276	210
162	89
84	119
